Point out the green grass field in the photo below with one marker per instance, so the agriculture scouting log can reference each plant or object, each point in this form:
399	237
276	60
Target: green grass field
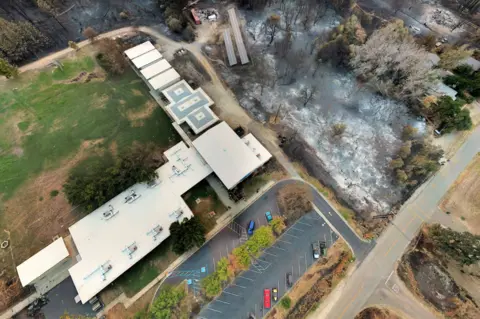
46	119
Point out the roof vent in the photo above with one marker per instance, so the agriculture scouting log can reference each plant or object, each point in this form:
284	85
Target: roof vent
109	213
132	197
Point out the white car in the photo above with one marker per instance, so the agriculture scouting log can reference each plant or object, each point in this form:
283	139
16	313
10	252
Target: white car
415	30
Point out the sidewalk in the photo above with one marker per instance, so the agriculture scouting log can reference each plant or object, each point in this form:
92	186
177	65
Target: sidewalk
222	222
19	306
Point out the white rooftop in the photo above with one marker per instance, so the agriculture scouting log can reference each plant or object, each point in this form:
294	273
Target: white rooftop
155	68
257	148
164	79
228	155
118	234
147	58
443	89
140	49
41	262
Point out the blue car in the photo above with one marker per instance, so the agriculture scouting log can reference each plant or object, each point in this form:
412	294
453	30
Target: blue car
268	216
251	227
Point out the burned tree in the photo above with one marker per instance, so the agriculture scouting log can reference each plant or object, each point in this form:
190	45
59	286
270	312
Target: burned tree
271	27
307	94
294	200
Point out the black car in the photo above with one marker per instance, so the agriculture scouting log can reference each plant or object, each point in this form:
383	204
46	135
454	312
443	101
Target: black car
289	279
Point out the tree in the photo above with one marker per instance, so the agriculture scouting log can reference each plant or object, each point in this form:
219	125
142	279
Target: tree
262	238
393	63
307	94
111	56
396	163
241	256
51	6
294	200
90	34
165	306
402	177
451	115
429	41
188	34
20	40
7	70
187	234
451	57
408	132
271	27
73	45
174	25
212	285
462	247
405	150
338	129
278	225
96	181
223	270
286	302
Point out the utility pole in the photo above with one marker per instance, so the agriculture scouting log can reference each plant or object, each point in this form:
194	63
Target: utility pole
276	115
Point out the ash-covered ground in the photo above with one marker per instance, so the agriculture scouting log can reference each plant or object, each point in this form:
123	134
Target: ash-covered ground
358	161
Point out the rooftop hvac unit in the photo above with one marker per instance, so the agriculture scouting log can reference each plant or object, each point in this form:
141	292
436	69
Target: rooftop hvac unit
131	249
155	232
109	213
132	197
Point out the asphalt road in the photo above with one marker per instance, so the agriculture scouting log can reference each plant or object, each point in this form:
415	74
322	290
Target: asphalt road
373	273
292	252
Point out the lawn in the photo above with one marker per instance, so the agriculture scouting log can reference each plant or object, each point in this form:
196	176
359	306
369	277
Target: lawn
47	120
57	119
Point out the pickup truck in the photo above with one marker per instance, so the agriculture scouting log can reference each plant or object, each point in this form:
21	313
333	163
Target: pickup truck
316	250
323	249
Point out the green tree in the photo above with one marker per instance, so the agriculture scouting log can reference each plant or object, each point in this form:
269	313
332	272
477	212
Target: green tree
20	40
212	285
451	115
402	177
462	247
165	306
223	269
96	181
186	235
450	57
262	238
242	256
278	225
7	70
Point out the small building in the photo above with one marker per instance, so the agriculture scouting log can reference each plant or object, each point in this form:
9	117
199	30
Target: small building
441	89
155	69
140	49
164	80
147	58
121	232
230	158
177	92
42	263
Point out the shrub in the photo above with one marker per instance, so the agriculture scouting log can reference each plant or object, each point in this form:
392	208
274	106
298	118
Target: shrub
188	34
174	25
187	234
73	45
111	57
54	193
338	129
278	225
90	33
212	285
286	302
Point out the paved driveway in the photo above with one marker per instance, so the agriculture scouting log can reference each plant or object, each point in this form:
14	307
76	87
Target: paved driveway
292	252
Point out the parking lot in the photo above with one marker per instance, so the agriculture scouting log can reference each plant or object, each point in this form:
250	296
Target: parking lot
292	252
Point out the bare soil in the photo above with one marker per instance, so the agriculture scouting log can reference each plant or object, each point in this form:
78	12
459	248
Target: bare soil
144	112
377	313
316	283
462	199
120	312
27	233
429	277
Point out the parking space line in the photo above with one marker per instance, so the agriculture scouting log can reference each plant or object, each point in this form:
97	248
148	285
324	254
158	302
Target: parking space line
298	222
239	286
217	300
214	310
266	252
231	293
287	234
278	248
284	241
246	278
295	228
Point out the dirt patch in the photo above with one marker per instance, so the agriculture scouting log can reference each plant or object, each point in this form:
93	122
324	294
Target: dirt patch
85	77
113	148
99	102
33	218
17	151
316	283
143	113
462	198
425	271
137	92
377	313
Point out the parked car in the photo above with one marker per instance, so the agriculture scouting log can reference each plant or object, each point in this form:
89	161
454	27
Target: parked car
316	250
267	303
323	249
268	216
289	279
275	294
251	316
251	227
415	30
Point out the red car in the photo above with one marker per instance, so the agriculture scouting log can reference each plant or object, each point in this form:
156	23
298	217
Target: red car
266	298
